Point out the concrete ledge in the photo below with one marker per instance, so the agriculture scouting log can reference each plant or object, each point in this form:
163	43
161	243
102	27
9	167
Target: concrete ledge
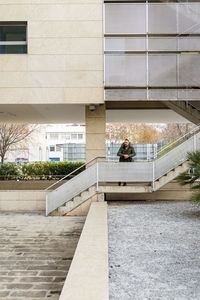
17	201
125	189
88	275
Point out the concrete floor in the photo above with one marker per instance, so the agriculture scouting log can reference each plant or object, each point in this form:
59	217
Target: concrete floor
154	251
35	254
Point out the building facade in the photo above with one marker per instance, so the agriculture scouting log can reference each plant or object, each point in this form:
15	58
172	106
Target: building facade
85	61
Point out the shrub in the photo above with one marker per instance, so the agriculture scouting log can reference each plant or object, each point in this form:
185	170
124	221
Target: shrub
51	170
192	177
9	171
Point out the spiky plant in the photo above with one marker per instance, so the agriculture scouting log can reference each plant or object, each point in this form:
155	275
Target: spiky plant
192	177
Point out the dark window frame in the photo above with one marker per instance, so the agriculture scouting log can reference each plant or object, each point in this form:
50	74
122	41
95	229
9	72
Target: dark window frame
15	43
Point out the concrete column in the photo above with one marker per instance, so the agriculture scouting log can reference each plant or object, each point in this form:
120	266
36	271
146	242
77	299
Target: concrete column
95	132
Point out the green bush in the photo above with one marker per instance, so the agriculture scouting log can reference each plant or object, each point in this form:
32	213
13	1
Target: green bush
192	176
9	171
50	170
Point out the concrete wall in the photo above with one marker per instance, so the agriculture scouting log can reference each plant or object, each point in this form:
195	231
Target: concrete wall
17	201
28	185
64	63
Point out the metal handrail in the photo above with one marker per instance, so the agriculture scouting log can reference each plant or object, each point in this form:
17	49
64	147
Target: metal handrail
179	139
74	171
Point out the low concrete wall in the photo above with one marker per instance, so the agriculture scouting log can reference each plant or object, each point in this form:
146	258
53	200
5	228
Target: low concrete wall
27	185
88	275
17	201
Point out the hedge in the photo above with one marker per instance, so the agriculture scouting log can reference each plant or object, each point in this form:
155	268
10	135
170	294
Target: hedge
39	170
9	170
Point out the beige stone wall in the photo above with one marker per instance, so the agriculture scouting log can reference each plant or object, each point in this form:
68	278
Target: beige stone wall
95	132
16	201
64	63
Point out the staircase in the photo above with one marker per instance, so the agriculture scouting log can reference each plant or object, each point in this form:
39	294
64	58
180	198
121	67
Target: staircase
188	109
102	177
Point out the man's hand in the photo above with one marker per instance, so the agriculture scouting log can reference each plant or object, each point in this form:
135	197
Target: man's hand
126	156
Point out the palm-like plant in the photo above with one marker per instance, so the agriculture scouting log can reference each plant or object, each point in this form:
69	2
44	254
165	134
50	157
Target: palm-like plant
192	177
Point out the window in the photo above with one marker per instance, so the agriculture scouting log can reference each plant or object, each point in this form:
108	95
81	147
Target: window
52	148
74	136
54	136
13	37
80	136
65	136
58	148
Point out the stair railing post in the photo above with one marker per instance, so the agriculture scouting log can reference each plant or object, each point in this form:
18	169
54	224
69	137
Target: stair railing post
195	142
153	175
97	176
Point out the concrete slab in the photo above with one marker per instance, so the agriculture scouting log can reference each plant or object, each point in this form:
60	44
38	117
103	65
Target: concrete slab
154	251
88	274
35	254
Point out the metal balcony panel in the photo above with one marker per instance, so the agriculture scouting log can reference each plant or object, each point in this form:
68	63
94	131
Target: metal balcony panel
125	44
125	94
125	70
162	70
162	18
128	172
188	17
125	18
189	94
189	70
163	94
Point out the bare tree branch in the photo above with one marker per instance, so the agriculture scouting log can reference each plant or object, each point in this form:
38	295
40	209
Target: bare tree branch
11	134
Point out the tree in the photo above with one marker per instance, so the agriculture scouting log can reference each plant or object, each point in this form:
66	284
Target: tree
173	131
192	177
11	134
137	133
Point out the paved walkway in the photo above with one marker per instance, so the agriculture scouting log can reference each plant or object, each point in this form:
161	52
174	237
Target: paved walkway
35	254
154	251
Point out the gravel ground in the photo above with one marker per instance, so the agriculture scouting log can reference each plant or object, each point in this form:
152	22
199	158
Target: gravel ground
154	251
35	254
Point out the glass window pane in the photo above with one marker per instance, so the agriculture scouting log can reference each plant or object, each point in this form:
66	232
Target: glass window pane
53	136
13	49
74	136
12	33
52	148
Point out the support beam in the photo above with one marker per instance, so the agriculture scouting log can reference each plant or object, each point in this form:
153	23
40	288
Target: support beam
95	121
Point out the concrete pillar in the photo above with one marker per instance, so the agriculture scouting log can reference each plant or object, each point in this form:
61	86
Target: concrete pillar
95	121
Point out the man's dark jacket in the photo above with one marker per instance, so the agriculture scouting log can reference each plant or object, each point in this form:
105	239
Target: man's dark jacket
123	151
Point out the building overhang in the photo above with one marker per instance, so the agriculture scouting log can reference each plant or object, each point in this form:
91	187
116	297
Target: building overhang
71	113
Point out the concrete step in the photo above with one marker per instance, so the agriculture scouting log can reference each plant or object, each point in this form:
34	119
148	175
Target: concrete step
76	201
170	175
